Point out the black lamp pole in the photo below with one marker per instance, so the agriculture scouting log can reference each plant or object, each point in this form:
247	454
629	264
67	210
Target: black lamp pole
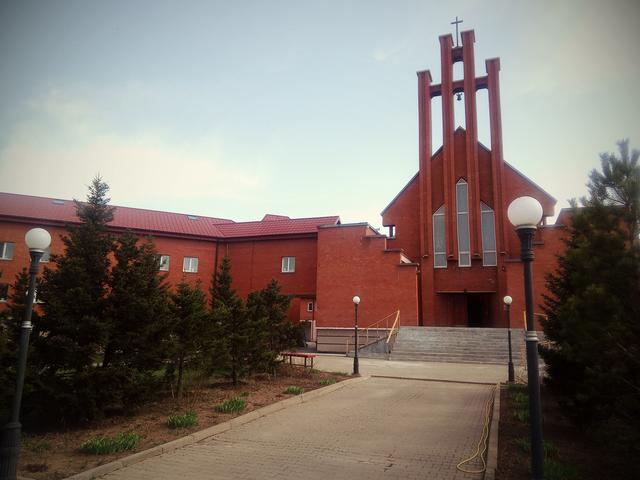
526	234
356	362
507	307
11	433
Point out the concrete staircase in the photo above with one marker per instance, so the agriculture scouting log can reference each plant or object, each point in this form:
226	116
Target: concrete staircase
458	345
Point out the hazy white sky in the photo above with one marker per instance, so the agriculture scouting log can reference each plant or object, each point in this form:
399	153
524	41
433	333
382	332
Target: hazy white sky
301	108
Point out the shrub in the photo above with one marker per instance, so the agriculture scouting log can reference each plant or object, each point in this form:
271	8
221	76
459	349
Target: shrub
232	405
106	445
189	419
522	414
293	390
524	444
327	381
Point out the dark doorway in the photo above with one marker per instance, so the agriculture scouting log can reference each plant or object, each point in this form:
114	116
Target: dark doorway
478	308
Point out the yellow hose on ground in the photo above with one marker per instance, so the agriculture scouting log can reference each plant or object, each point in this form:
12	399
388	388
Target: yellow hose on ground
482	444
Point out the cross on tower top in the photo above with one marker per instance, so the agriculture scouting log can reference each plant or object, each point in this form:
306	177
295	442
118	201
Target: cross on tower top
456	24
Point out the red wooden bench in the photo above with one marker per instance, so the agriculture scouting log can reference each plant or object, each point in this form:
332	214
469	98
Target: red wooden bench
304	355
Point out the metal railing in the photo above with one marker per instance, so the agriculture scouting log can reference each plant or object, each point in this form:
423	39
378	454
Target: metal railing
376	326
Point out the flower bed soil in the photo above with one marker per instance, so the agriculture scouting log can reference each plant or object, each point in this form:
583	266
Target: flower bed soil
591	460
56	455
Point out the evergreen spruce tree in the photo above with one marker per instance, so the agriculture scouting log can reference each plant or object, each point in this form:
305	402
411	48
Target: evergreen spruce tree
594	304
73	324
232	322
136	315
191	330
274	333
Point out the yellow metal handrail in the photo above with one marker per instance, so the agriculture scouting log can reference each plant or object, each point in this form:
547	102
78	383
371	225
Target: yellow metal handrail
524	317
396	322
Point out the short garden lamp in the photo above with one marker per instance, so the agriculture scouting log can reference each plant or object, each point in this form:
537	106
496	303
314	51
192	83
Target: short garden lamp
356	363
37	240
507	307
525	213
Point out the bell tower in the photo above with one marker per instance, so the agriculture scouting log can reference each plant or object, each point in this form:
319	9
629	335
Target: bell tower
458	162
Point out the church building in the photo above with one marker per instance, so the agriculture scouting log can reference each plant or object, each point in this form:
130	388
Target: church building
449	258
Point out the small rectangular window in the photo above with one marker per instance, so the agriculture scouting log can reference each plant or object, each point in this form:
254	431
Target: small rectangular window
46	255
4	292
310	307
164	263
6	250
462	207
190	265
288	264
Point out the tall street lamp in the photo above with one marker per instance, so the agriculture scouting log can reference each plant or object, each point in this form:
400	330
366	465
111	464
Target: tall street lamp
525	213
507	306
356	363
38	240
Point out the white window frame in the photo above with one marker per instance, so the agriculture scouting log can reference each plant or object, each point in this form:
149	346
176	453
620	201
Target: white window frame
167	264
288	264
3	250
46	255
488	211
190	264
439	257
462	218
309	306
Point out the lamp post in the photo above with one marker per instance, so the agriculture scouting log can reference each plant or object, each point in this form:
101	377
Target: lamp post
37	239
507	306
525	213
356	363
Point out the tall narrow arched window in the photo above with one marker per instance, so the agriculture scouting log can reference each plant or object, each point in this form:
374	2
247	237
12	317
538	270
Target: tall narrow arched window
439	250
462	206
489	256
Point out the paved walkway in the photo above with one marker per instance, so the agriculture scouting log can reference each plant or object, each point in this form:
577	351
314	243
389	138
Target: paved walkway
461	372
378	428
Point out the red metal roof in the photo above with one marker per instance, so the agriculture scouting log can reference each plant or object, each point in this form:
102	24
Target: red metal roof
64	211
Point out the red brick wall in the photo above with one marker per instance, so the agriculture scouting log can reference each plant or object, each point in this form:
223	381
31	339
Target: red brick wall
352	263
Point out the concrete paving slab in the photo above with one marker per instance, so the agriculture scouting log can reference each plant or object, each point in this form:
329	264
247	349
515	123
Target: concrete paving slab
378	428
461	372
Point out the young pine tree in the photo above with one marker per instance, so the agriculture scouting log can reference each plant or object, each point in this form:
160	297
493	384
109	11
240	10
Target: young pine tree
267	310
74	292
594	304
232	324
191	329
137	309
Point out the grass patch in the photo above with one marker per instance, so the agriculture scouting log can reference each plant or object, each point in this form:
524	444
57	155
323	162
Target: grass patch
327	381
106	445
37	445
550	450
520	399
521	414
294	390
555	470
187	420
232	405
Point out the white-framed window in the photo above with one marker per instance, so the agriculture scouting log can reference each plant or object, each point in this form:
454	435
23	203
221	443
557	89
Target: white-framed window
392	231
288	264
489	254
439	248
190	265
4	292
46	255
309	306
164	263
6	250
462	209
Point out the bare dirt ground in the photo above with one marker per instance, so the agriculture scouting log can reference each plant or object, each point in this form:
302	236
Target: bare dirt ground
56	455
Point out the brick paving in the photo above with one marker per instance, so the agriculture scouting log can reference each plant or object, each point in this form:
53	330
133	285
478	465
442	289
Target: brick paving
379	428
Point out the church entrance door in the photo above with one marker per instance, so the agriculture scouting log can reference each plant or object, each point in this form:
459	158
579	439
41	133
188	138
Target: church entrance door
478	309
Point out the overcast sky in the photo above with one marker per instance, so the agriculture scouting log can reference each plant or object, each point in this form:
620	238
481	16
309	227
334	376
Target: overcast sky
300	108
